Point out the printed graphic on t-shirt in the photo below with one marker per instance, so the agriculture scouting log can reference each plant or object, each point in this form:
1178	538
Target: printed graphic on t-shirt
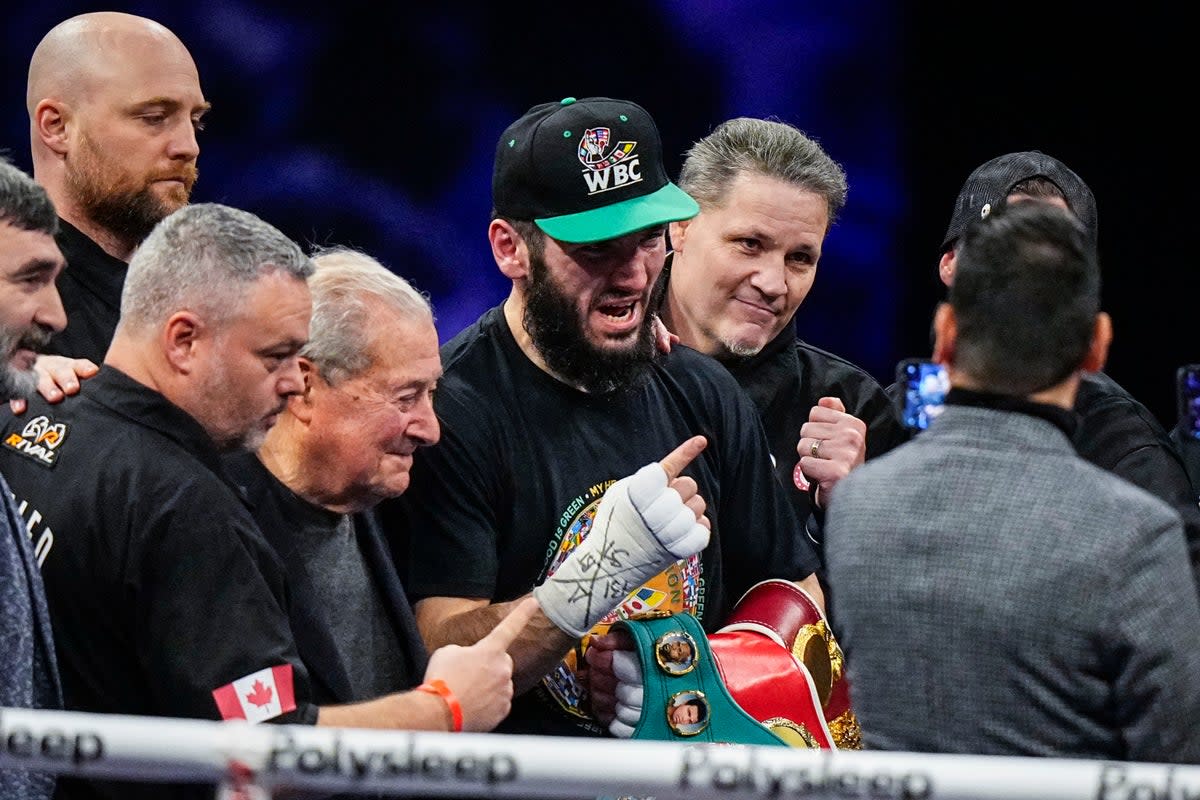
678	589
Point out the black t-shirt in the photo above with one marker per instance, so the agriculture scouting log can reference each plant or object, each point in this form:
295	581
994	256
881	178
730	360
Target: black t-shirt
90	288
524	460
786	379
160	586
355	644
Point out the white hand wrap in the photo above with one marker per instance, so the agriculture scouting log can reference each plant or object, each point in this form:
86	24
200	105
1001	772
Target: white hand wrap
628	670
641	527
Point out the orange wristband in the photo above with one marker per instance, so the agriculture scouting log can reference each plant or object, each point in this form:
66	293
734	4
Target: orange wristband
439	687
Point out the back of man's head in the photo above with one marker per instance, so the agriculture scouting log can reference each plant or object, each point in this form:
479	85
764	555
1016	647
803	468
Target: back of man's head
23	203
1025	298
203	258
762	147
346	286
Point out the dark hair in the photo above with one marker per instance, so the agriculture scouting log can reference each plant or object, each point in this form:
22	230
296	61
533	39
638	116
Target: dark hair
23	203
1040	187
1025	295
527	229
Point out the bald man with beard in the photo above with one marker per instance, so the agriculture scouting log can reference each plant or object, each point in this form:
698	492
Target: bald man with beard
114	105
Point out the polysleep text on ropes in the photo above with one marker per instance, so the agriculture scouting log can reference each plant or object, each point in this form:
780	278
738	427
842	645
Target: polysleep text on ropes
360	760
471	764
709	767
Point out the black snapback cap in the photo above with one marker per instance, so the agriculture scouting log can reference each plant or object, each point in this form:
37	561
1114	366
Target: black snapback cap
586	170
990	184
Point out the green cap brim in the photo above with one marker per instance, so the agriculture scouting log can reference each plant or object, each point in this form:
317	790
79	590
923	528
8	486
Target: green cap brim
668	204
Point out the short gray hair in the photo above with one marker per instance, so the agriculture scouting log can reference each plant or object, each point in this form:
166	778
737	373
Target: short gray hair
764	147
344	286
203	257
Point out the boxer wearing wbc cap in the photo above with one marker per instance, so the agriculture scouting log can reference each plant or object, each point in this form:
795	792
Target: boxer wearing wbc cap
557	392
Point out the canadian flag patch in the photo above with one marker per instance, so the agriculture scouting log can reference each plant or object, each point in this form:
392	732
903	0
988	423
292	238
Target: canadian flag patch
258	696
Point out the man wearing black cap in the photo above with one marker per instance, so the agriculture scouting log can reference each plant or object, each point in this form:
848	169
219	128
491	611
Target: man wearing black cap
558	391
1114	431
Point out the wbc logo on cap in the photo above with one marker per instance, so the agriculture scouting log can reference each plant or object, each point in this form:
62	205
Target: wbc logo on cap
607	167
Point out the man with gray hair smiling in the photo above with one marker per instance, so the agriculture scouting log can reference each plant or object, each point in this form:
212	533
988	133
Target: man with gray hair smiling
344	443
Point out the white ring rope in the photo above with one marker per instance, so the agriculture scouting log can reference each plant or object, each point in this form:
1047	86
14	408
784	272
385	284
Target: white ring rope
490	765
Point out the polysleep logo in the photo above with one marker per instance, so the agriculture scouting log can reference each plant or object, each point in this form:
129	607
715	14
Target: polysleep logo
607	167
360	759
1123	782
715	768
38	440
43	746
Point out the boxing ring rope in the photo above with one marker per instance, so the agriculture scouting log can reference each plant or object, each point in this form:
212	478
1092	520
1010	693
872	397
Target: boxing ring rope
489	765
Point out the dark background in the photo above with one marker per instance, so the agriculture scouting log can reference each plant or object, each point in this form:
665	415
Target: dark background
360	123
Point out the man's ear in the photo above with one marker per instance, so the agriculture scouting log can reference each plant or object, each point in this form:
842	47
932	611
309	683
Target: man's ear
301	405
1097	353
945	334
509	249
181	335
678	233
50	119
946	267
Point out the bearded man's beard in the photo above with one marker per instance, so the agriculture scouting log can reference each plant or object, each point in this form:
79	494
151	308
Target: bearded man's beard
127	211
553	323
20	382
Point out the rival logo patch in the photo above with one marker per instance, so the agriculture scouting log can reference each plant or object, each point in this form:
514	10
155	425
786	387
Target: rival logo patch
607	167
39	440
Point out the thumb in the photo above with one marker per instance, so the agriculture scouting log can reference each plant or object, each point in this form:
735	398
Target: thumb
681	456
832	402
511	626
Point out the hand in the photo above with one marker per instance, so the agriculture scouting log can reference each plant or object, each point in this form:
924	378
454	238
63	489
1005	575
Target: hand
663	338
57	377
602	680
841	443
615	675
481	675
643	523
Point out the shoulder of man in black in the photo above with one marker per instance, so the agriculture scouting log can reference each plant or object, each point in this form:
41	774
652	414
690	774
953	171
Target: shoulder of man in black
461	344
90	288
1119	434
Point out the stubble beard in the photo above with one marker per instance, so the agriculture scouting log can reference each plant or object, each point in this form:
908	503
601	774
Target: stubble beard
128	213
226	423
552	322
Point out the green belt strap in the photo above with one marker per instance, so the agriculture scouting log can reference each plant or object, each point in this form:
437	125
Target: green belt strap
678	666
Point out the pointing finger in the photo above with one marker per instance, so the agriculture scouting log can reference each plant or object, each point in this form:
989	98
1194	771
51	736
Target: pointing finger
511	626
681	456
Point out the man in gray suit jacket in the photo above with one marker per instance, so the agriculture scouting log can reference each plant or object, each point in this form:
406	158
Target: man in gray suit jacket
998	594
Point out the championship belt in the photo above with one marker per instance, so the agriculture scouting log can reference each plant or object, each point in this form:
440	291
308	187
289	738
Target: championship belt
683	695
775	641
